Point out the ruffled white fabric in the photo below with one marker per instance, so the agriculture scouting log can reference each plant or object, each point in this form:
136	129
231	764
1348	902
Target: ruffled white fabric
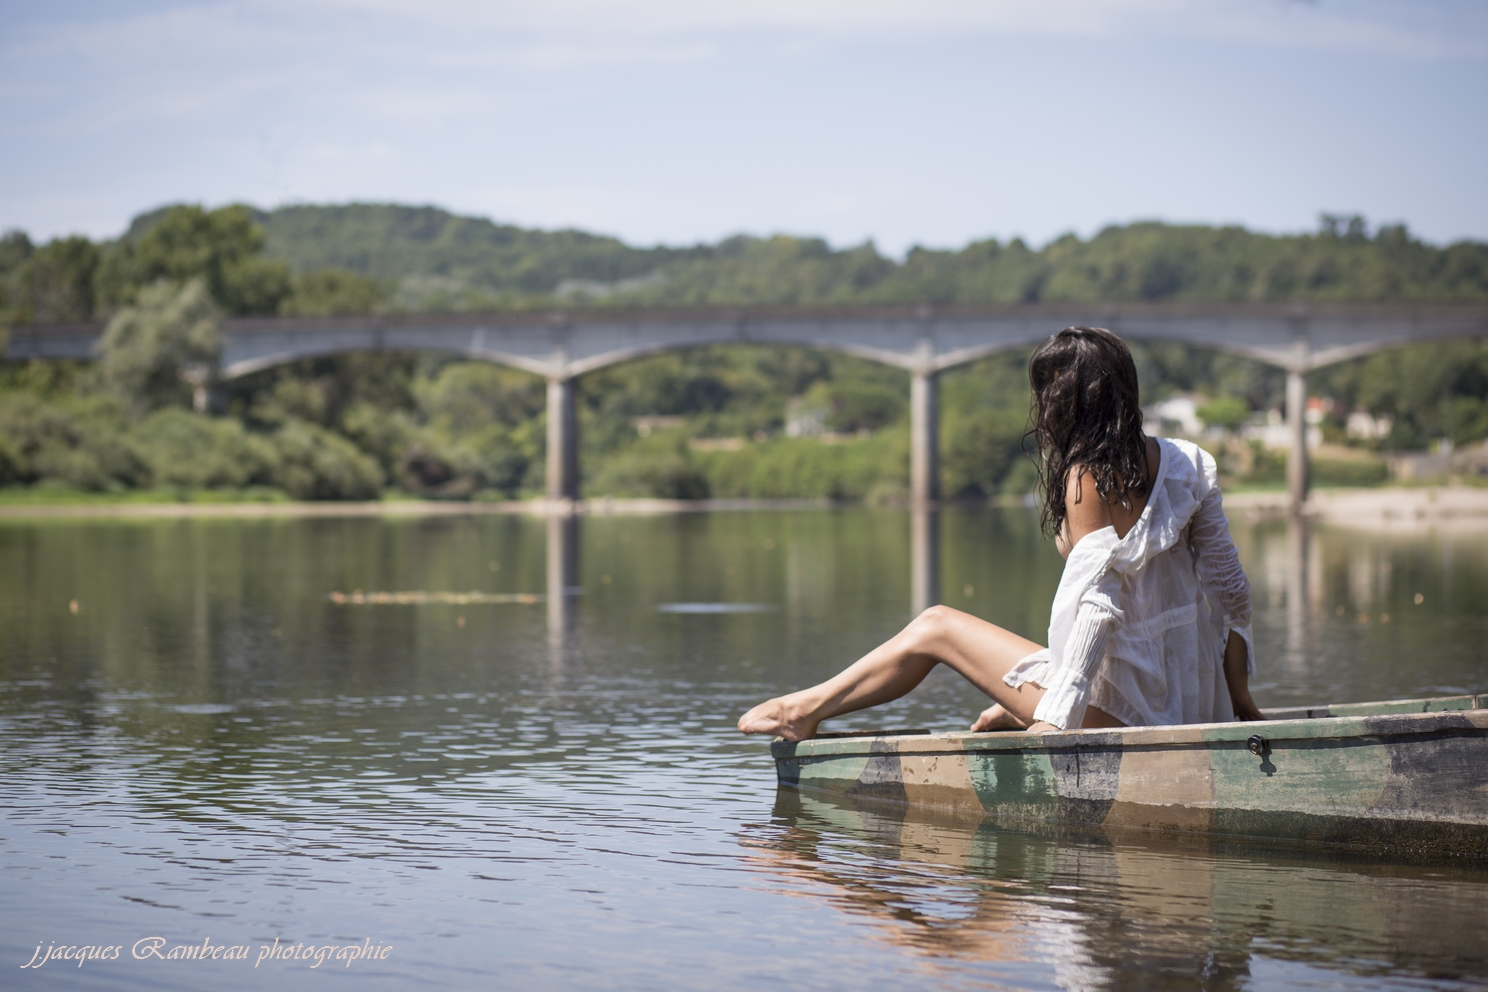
1139	623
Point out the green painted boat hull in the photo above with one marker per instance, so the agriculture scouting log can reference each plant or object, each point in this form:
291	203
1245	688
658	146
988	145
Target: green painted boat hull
1407	776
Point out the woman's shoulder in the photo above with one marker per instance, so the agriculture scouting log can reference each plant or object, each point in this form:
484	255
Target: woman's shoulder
1189	466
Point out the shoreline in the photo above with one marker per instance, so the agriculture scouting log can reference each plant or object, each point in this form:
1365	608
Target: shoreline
1390	507
400	508
1386	508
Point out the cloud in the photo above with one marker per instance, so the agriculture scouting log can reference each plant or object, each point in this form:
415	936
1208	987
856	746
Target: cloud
1419	29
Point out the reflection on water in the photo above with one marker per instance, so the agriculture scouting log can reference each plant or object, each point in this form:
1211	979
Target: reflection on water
1128	915
924	559
539	785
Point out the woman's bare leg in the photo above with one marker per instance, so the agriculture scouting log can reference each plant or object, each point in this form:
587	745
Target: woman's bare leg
980	651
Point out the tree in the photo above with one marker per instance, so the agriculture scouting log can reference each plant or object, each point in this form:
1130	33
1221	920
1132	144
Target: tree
221	247
15	250
331	292
151	350
56	283
1228	412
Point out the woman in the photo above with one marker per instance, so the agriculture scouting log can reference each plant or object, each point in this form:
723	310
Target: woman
1151	622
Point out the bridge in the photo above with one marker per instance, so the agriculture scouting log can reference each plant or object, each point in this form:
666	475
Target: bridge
924	340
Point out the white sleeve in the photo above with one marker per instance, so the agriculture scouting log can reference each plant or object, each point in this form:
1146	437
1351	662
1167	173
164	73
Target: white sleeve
1064	701
1218	565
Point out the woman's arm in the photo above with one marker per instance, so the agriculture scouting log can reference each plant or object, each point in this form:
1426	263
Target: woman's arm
1236	666
1228	591
1064	702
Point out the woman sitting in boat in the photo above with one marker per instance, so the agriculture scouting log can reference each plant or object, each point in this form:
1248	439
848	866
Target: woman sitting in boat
1151	621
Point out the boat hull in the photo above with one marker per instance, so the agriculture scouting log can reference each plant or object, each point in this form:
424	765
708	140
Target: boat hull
1408	776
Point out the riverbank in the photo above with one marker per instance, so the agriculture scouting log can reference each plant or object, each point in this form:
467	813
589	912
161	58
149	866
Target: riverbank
1389	508
1393	507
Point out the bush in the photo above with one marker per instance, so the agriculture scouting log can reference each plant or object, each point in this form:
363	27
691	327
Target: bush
980	449
190	451
316	464
856	405
1348	471
876	467
661	467
1228	412
80	443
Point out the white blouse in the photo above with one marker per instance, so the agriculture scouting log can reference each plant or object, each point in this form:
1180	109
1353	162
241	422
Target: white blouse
1139	623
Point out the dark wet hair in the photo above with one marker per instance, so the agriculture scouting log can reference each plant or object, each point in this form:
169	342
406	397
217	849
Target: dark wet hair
1086	412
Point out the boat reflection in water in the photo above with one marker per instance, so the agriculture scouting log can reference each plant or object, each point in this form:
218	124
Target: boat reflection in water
1091	911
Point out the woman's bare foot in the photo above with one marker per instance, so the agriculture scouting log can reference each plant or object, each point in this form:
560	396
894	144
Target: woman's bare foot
781	717
997	717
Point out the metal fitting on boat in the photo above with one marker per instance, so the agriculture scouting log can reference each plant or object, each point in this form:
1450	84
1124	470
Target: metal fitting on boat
1258	745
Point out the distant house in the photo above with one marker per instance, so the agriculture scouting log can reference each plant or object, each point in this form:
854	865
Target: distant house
802	420
1178	414
1273	431
1366	426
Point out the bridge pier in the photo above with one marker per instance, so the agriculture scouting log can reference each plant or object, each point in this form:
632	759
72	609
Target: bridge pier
563	441
1296	414
924	439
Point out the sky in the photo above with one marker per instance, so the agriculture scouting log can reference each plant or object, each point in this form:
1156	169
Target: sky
930	122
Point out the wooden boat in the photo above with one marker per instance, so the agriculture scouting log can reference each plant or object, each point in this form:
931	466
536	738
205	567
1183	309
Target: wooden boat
1408	776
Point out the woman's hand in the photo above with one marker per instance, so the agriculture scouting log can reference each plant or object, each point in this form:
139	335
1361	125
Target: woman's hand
1236	660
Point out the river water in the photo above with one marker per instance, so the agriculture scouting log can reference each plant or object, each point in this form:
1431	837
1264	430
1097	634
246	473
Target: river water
201	743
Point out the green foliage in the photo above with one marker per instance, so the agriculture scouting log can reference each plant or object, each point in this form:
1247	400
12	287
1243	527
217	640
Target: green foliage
15	250
481	428
442	261
1327	471
874	468
984	414
331	293
856	404
77	442
178	244
188	451
1431	391
346	425
148	348
980	452
55	285
1228	412
322	389
1164	368
737	391
314	463
660	466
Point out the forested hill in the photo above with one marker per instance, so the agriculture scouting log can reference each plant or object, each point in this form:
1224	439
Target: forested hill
386	257
392	243
424	248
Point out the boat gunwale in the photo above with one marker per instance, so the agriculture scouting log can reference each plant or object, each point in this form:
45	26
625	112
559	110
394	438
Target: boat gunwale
1385	724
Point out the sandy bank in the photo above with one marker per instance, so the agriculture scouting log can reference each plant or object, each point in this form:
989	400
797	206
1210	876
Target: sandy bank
1389	508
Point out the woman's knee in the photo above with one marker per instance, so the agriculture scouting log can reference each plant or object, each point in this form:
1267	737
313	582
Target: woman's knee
932	626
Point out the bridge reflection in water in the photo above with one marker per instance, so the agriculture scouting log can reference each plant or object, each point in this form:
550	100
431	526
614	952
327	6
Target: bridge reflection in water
1128	911
563	579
